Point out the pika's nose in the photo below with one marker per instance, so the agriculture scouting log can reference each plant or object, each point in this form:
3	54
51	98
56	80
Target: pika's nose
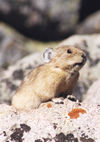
84	56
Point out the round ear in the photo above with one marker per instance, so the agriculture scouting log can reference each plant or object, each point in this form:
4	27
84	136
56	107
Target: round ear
47	55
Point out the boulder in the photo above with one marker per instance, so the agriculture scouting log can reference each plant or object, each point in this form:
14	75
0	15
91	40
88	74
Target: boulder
14	46
93	94
57	121
41	19
11	46
90	25
11	78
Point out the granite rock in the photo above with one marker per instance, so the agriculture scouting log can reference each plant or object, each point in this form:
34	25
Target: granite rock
11	78
11	46
41	19
90	25
57	121
14	46
93	94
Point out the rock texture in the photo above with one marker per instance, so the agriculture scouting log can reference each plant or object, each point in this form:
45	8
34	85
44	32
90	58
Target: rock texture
57	121
91	71
47	19
90	25
93	94
14	46
10	79
11	46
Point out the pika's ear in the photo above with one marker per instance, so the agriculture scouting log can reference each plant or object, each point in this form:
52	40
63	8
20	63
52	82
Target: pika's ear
47	55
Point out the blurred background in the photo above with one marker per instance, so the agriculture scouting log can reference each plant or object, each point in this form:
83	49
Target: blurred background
45	21
50	20
28	26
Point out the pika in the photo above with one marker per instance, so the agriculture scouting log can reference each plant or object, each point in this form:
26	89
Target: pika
57	76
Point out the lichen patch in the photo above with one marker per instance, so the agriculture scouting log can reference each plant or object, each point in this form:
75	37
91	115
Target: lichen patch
74	113
49	105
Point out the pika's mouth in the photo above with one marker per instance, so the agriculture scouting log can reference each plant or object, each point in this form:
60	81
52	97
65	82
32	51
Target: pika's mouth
81	63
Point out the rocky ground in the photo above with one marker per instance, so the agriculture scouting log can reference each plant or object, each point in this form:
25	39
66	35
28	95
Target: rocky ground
57	121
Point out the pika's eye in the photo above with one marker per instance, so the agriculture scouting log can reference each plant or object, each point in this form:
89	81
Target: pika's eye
69	51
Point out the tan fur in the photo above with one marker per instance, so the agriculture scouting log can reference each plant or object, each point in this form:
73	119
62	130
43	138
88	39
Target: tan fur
51	79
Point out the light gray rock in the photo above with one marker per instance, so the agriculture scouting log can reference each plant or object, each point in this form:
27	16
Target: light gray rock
90	25
10	79
51	122
93	94
91	71
12	46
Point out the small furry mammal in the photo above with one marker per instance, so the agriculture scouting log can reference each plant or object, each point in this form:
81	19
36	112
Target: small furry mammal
59	75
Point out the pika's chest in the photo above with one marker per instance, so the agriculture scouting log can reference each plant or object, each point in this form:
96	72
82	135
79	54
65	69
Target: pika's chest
67	82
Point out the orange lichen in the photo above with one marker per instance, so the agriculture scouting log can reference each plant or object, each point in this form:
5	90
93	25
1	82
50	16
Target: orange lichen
74	113
49	105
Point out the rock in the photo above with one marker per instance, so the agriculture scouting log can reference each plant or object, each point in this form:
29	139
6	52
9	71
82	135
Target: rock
91	70
11	46
90	25
14	46
42	19
93	94
51	122
10	79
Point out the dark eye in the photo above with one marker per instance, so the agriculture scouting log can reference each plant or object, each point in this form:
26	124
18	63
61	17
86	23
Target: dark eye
69	51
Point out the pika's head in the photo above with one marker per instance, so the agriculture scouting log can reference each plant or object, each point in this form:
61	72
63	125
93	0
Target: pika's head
66	57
